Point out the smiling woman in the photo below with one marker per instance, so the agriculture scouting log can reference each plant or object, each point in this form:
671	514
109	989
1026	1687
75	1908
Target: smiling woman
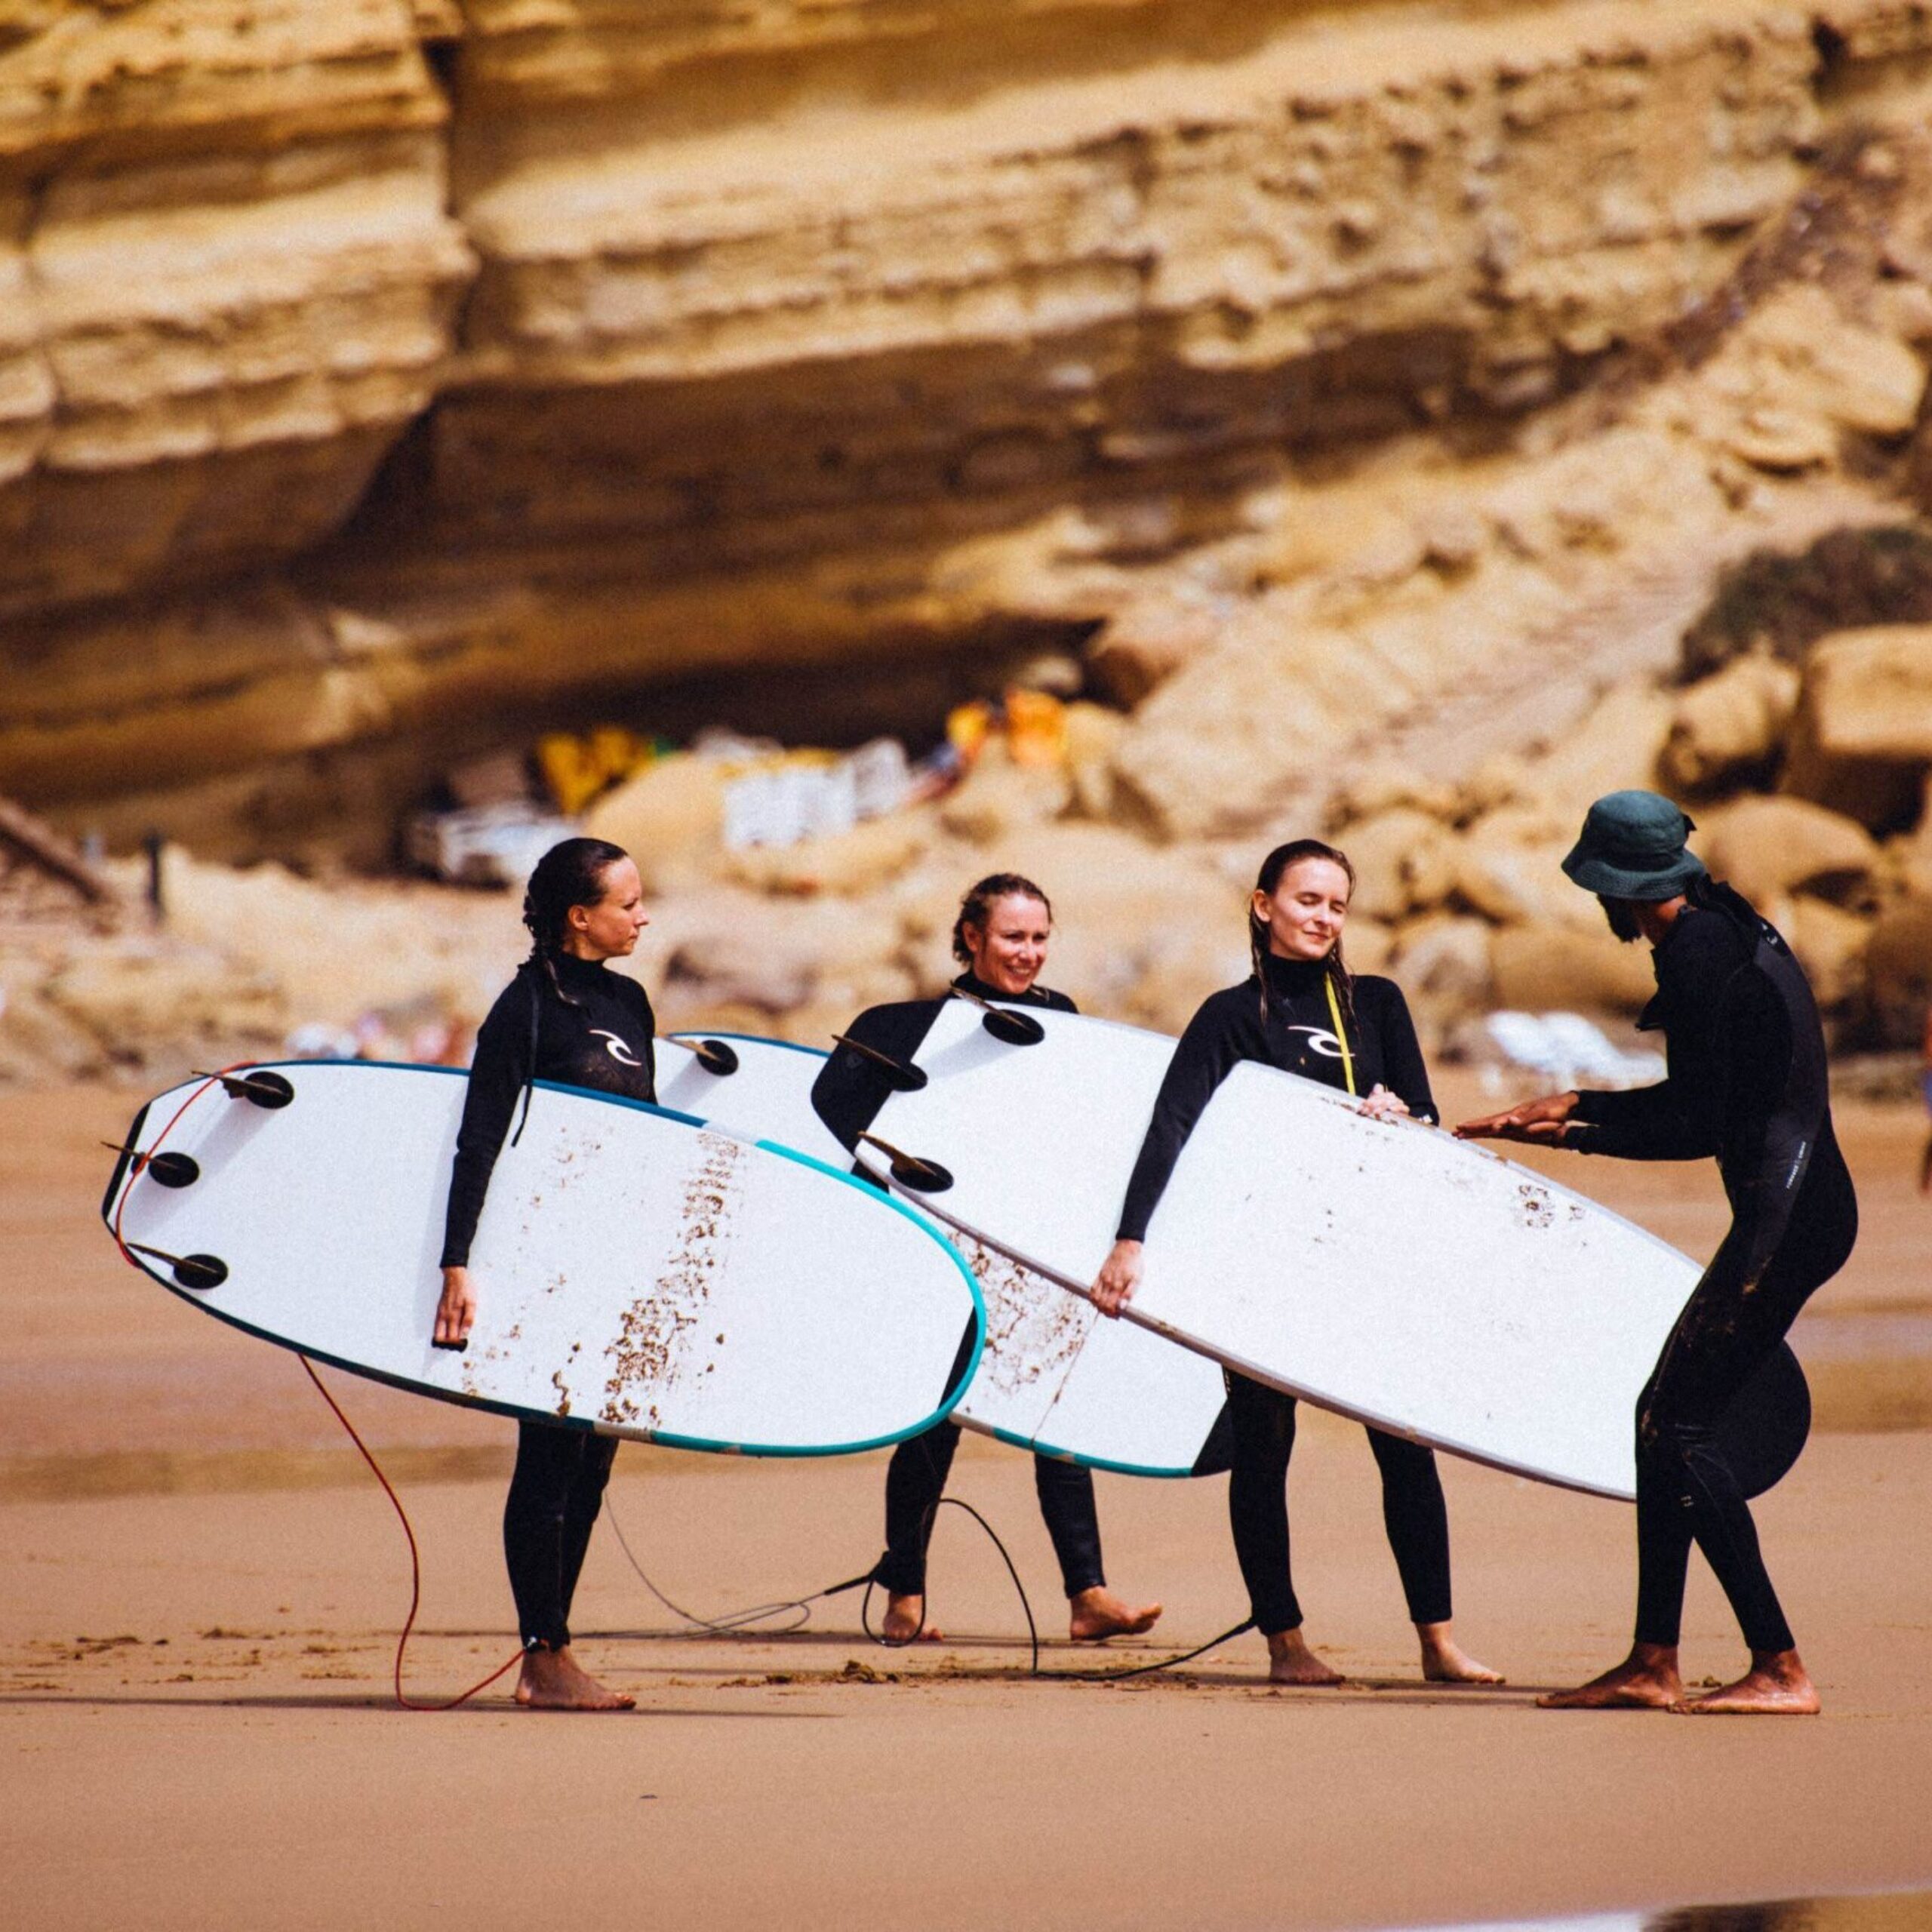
1001	938
1304	1012
563	1018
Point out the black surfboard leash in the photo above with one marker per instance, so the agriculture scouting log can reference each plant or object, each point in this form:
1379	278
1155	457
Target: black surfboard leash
733	1622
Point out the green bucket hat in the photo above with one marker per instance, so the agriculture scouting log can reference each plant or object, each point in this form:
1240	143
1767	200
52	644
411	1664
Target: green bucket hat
1632	848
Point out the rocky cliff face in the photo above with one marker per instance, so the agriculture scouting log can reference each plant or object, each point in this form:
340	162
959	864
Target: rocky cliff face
376	378
1409	421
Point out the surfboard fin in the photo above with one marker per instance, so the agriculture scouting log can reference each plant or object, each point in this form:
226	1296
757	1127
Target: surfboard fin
198	1271
922	1176
1003	1024
714	1056
271	1091
171	1170
904	1078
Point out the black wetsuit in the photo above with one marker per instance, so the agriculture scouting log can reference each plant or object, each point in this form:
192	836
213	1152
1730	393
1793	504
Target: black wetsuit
592	1029
847	1095
1298	1036
1746	1083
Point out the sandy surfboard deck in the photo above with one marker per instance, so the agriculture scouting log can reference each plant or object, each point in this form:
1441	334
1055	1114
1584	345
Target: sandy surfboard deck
1383	1269
637	1274
1055	1375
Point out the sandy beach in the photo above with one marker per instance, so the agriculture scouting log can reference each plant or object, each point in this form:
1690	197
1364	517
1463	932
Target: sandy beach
198	1616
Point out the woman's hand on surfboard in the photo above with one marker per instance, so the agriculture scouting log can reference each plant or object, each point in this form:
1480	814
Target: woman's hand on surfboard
1119	1276
1544	1122
1383	1104
455	1312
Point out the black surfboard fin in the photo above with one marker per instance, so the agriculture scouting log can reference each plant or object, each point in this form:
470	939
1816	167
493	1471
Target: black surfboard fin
198	1271
902	1077
715	1056
271	1091
1004	1023
911	1170
170	1169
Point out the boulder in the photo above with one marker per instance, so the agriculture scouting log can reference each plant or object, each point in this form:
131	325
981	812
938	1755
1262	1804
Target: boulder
1508	867
1615	745
130	996
719	969
1830	944
40	1044
1868	693
1443	958
1767	846
1093	734
844	864
1863	732
1898	966
1403	862
1388	787
998	797
1550	969
1368	944
1911	852
670	818
1733	723
1797	373
1146	641
1179	976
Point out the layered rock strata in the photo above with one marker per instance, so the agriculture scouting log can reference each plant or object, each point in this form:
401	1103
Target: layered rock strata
374	379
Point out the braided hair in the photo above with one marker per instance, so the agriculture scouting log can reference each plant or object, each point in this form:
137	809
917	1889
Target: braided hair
976	909
570	873
1272	868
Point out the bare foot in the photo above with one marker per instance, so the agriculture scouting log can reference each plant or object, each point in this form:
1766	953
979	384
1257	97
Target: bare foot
1096	1614
1647	1680
1775	1685
1444	1661
1290	1661
906	1621
555	1681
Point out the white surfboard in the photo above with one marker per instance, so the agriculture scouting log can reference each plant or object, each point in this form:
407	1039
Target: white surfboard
1383	1269
636	1273
1055	1376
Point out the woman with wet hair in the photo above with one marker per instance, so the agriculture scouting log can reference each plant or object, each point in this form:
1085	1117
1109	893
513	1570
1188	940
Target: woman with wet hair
563	1018
1303	1010
1000	938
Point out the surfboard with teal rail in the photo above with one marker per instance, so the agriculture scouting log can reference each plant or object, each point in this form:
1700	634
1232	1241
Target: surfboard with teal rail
637	1272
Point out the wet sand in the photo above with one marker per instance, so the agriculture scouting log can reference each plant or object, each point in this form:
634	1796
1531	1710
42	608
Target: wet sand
203	1588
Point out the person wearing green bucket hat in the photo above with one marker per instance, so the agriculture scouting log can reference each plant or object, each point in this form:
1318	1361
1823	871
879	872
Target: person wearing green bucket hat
1632	848
1746	1083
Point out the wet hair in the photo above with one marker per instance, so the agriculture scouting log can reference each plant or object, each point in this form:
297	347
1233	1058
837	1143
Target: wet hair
977	905
1272	868
570	873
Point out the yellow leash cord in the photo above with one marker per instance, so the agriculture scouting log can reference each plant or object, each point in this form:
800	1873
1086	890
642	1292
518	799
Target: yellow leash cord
1341	1031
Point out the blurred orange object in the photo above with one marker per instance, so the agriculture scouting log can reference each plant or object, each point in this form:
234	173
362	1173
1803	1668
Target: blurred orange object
576	769
1036	728
967	727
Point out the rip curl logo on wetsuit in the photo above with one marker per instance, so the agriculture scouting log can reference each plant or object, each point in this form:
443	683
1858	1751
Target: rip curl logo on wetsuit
617	1048
1321	1040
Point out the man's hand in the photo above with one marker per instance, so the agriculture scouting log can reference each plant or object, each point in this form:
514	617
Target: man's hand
1544	1122
455	1312
1119	1276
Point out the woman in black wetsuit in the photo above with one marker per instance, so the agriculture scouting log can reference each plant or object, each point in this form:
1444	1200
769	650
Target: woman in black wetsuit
1001	938
1746	1083
563	1018
1303	1011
